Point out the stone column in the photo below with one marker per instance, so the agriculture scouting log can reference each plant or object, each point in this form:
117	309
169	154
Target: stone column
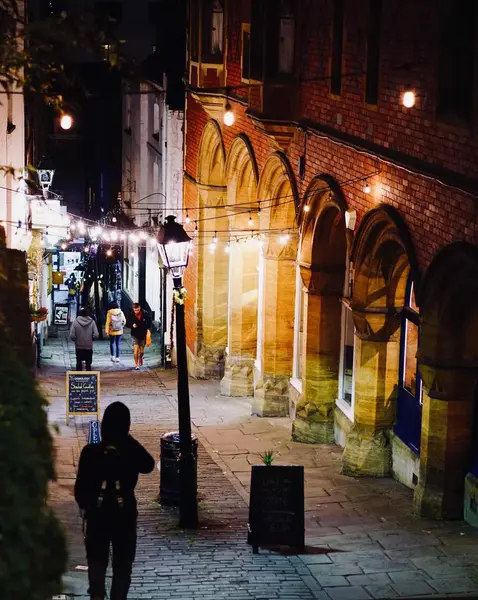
213	273
242	319
376	368
314	420
271	381
446	440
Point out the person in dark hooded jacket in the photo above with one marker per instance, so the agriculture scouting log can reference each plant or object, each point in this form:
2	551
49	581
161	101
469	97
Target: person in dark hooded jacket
104	490
83	331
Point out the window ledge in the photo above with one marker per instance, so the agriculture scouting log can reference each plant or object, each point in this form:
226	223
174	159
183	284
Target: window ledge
346	408
296	384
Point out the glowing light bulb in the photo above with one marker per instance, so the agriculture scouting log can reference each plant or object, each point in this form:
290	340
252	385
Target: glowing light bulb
408	99
214	239
114	219
187	219
367	188
114	236
250	221
64	246
306	208
109	252
227	248
283	239
86	249
229	118
66	122
212	248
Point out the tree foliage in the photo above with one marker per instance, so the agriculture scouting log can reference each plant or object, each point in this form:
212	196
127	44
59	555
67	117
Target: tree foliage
32	544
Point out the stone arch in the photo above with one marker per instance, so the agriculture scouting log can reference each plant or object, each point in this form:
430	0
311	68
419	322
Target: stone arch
212	156
323	258
448	363
212	289
277	198
242	178
383	259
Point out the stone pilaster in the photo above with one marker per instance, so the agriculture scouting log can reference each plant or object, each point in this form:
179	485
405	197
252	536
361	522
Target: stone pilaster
212	295
314	420
376	365
242	319
271	385
446	440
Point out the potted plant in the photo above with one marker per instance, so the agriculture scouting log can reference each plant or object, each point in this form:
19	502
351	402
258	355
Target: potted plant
38	314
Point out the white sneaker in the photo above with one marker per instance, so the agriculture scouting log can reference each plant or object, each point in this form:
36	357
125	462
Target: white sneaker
117	359
113	359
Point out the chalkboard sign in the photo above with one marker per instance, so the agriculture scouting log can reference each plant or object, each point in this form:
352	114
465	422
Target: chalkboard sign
276	507
82	393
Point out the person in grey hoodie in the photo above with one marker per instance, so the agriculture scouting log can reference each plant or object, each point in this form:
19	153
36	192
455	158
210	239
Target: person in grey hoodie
83	331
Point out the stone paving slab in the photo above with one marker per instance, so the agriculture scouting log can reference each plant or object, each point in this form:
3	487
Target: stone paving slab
359	549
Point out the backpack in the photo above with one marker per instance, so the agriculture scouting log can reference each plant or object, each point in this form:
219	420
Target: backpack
116	322
110	497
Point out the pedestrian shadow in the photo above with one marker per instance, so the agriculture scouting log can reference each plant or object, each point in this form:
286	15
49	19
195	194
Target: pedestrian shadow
292	551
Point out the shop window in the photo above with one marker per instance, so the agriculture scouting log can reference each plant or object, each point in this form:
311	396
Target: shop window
286	37
246	51
373	52
347	356
298	359
456	61
337	47
212	31
409	403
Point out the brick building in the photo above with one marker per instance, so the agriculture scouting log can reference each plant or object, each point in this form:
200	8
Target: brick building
334	268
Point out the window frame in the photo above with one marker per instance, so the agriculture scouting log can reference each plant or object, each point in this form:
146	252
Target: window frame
245	28
404	396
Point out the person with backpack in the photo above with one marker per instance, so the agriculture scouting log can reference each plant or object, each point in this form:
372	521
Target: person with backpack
115	322
140	333
83	331
104	491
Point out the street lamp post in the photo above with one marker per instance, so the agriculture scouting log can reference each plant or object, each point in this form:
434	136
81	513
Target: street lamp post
173	245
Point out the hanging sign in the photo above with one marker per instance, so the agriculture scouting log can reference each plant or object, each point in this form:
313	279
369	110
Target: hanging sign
94	434
82	394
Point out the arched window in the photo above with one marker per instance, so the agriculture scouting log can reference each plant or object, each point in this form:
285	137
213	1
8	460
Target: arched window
409	402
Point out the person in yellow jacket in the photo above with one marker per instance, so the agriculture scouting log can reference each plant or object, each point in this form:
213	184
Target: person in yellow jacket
115	322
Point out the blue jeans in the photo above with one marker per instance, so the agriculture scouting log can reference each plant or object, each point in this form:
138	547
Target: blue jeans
115	341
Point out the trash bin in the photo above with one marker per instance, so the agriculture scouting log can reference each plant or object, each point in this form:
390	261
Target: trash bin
170	485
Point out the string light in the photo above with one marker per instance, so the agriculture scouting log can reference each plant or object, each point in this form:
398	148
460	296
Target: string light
86	249
114	236
64	246
306	208
408	99
283	239
114	219
214	239
250	222
109	252
227	248
367	188
187	219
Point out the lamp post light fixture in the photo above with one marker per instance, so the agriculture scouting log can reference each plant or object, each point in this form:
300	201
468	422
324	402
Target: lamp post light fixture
173	245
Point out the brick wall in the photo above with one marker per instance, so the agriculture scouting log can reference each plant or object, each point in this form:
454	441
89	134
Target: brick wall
435	214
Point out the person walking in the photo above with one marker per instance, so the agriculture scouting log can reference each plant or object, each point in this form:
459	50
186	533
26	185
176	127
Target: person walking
83	331
115	322
104	491
140	333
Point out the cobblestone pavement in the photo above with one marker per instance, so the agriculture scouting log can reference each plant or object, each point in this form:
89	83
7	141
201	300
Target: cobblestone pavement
362	540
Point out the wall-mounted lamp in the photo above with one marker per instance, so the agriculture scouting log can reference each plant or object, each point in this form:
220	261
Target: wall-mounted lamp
367	188
66	121
409	99
229	117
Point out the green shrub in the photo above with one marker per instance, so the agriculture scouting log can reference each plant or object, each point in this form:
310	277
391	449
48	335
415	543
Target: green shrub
32	544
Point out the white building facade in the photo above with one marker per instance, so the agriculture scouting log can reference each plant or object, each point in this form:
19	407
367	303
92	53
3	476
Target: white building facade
151	190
